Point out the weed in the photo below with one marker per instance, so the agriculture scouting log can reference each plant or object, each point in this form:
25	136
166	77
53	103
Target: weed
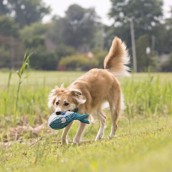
20	72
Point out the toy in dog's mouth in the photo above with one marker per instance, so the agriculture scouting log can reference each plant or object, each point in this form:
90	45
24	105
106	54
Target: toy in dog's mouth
65	118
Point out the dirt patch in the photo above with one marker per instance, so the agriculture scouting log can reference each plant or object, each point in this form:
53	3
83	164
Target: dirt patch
23	130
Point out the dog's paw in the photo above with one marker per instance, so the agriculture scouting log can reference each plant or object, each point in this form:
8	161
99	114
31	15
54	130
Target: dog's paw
112	136
64	141
99	137
76	141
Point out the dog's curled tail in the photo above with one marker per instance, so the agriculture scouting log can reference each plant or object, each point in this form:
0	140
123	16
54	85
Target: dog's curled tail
117	58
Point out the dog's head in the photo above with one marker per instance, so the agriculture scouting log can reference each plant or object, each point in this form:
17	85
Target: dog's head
63	99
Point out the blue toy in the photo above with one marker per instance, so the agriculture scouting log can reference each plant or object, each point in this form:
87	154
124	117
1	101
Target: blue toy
57	122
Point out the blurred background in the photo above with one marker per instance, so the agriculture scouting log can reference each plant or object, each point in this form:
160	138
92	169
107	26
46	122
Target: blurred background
76	34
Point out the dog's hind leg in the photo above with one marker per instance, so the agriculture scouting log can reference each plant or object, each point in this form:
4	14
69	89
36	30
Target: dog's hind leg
114	116
116	106
102	118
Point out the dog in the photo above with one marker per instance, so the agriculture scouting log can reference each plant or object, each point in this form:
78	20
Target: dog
88	93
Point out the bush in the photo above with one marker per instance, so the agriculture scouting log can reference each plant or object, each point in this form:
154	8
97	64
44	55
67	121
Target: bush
41	59
167	66
64	50
100	56
77	62
5	57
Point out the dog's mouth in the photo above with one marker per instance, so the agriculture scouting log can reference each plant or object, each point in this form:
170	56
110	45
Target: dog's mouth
74	110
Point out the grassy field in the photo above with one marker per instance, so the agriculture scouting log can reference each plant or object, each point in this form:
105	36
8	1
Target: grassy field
143	141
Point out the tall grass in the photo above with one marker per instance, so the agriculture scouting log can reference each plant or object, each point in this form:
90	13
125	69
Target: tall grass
148	96
20	73
9	79
145	94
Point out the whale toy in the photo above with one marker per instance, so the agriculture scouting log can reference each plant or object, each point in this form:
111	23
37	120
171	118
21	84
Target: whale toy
57	122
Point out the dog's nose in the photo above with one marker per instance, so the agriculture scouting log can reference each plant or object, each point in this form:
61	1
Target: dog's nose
58	112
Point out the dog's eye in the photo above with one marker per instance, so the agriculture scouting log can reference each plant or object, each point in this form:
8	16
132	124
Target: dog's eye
66	104
57	103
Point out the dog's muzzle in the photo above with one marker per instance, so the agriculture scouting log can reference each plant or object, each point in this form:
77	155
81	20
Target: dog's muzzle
75	110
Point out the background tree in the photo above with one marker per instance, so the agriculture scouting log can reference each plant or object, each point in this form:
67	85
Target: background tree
15	14
145	58
10	47
168	37
81	32
25	12
3	7
34	37
79	26
146	16
8	27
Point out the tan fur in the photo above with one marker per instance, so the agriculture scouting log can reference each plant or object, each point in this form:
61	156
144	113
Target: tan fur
90	91
117	58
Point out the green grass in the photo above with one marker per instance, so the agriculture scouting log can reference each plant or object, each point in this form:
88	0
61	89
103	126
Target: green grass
143	142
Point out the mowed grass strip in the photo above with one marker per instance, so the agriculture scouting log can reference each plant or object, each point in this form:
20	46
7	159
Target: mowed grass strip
142	144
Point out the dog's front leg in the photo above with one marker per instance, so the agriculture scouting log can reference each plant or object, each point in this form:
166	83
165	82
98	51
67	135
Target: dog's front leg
78	136
64	139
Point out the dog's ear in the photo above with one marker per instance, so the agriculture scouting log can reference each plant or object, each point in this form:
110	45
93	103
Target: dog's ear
77	94
52	97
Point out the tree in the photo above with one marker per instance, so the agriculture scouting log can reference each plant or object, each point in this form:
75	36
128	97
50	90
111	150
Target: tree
145	59
163	36
25	12
34	35
10	47
3	7
78	27
8	27
146	14
168	38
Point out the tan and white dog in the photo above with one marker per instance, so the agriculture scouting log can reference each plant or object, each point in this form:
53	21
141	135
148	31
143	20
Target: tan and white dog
88	93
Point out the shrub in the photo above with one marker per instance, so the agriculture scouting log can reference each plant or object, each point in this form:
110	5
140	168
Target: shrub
77	62
167	66
41	59
5	57
100	56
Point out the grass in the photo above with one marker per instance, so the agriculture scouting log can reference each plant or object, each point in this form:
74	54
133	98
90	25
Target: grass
143	142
